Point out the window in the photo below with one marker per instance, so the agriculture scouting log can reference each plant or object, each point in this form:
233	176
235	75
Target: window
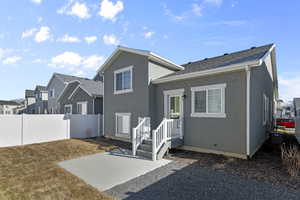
82	108
123	124
174	106
68	109
266	112
208	101
52	92
123	80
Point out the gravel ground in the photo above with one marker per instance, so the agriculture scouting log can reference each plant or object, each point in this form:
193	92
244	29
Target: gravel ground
187	180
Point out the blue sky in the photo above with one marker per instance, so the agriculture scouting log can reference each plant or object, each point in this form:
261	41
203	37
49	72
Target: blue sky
39	37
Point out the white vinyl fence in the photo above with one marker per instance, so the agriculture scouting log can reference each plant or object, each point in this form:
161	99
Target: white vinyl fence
28	129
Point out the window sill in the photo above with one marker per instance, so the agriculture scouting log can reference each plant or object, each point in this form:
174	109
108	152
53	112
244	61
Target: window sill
123	91
207	115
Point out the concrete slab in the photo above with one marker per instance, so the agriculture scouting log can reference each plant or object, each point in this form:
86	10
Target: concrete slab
106	170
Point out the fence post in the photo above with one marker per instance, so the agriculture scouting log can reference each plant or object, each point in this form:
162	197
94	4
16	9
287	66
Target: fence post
153	145
99	129
22	129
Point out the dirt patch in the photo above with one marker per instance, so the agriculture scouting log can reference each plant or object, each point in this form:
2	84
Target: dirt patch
266	165
31	172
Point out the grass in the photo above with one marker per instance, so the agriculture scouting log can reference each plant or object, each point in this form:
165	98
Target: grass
31	172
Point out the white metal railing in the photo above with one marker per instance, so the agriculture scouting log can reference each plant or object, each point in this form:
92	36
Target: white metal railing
161	135
140	132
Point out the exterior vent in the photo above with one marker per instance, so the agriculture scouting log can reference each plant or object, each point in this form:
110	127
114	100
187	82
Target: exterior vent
225	54
205	59
253	47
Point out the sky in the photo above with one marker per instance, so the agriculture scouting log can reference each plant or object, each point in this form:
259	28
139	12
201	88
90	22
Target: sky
40	37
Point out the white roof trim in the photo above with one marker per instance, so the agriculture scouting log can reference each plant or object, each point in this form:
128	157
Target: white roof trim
75	90
66	85
149	54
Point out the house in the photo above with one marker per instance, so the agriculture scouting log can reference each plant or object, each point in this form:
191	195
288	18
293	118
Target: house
296	102
56	86
29	102
83	96
221	105
41	99
8	107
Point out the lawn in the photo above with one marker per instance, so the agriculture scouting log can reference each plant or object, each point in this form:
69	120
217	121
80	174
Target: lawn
31	172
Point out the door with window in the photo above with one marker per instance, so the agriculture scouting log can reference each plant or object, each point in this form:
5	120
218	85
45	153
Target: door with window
174	110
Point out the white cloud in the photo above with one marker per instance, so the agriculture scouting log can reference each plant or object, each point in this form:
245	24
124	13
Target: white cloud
174	17
75	63
214	2
5	52
90	39
39	19
166	36
75	9
109	10
149	34
197	9
231	22
42	35
11	60
110	39
93	62
38	60
69	39
29	32
37	1
289	86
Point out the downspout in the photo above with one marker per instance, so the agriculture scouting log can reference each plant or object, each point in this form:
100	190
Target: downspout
248	78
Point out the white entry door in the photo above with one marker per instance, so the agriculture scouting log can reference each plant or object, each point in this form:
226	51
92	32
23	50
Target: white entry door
174	110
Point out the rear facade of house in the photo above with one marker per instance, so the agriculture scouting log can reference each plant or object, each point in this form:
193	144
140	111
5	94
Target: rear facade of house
221	105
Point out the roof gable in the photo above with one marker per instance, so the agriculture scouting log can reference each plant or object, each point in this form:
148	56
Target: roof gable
151	56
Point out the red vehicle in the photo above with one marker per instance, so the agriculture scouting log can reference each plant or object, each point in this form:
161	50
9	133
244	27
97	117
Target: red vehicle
287	123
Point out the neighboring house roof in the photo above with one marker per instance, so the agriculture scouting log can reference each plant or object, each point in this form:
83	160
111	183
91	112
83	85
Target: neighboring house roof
151	56
40	88
10	103
91	87
66	78
29	93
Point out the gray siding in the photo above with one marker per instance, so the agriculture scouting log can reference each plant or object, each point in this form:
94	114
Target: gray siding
223	134
58	86
79	96
136	102
261	83
98	105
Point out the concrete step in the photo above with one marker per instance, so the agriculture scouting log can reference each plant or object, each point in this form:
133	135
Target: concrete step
148	142
145	147
145	154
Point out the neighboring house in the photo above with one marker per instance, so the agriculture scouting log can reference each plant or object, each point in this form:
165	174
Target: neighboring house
222	105
29	102
279	109
297	107
84	96
55	87
41	100
8	107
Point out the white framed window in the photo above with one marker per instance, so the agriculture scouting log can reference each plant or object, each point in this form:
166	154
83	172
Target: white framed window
123	80
68	109
82	108
208	101
266	112
123	127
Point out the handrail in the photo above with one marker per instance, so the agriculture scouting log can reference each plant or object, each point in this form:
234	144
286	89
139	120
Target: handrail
140	133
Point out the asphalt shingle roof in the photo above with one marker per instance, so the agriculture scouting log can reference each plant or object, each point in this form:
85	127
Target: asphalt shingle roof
93	87
247	55
69	78
11	103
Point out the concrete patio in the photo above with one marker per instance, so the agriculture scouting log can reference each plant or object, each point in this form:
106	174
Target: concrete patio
106	170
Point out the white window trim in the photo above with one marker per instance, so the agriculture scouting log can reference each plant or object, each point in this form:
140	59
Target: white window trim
130	68
265	109
52	93
70	106
82	103
206	88
116	125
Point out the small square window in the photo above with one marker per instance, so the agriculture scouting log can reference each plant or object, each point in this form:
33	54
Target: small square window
123	80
